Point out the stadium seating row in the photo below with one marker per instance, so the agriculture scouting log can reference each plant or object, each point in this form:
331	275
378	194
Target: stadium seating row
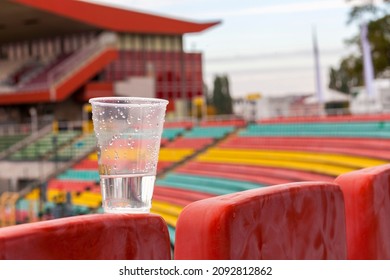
237	163
78	147
329	164
172	133
307	220
367	147
256	174
7	141
45	145
333	119
337	129
67	145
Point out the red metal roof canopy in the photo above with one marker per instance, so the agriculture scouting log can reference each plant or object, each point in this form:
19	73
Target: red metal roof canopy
116	19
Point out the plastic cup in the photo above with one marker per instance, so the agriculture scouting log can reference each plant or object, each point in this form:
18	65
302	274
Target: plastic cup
128	132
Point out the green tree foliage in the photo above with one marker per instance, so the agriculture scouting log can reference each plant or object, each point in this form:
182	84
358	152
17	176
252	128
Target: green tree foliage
350	71
221	99
368	8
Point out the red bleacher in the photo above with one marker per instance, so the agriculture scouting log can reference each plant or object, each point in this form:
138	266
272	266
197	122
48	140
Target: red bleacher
292	221
178	196
367	203
234	122
377	148
265	174
192	143
179	124
347	219
96	237
73	186
86	164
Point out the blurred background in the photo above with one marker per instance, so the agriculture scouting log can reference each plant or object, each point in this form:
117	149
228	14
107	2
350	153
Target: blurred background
261	93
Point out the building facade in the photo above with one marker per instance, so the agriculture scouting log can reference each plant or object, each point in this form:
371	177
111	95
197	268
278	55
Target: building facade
57	55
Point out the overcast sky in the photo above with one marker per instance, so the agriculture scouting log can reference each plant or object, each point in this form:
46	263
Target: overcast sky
262	45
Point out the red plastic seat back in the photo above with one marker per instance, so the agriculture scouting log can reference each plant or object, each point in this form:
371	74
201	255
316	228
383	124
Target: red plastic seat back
99	236
367	209
290	221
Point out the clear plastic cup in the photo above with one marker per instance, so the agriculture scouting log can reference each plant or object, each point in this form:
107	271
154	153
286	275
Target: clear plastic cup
128	132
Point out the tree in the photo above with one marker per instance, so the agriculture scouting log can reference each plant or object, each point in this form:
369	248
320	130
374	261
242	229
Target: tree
221	99
350	71
367	9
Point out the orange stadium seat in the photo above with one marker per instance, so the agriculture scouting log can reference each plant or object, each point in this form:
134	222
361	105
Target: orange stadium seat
303	220
367	209
97	236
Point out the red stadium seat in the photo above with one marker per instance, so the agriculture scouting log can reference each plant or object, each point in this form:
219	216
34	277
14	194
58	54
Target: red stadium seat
97	236
367	209
303	220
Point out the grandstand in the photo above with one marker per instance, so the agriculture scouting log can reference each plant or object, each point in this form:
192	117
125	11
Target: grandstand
56	56
209	169
245	157
64	53
209	159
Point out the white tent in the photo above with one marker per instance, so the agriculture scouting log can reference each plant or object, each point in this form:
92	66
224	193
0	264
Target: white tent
330	95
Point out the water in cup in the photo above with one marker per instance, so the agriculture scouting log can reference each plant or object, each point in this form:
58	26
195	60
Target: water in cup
127	193
128	132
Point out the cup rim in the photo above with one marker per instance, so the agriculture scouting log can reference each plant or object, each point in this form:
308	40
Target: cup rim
152	101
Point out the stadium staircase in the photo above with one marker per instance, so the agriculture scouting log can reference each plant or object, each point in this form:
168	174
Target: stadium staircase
65	74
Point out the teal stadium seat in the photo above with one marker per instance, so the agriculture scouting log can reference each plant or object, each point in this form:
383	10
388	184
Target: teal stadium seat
348	129
172	133
80	175
215	132
212	185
